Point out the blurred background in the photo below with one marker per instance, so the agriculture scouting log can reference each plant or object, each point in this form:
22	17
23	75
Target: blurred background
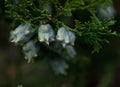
92	70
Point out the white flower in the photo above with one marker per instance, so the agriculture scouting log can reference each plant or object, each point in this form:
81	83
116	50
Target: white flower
21	34
59	66
106	13
71	51
30	51
45	33
65	36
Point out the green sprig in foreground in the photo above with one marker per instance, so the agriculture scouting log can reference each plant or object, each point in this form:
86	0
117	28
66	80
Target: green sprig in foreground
93	32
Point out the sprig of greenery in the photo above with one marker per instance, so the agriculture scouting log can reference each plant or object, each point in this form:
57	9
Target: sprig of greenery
94	31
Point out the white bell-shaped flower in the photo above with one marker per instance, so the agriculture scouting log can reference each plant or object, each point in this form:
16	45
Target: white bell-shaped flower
65	36
106	13
45	33
71	51
30	50
59	66
21	34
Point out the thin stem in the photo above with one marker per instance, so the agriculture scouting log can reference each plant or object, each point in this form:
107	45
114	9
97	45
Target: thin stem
55	17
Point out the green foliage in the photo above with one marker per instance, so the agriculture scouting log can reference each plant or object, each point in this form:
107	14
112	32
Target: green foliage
94	32
29	13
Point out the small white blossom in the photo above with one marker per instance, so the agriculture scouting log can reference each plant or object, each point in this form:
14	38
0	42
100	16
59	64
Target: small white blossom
71	51
65	36
59	66
21	34
45	33
106	13
30	51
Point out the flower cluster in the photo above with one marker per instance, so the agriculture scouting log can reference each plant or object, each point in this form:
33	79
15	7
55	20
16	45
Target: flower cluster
24	33
22	36
64	36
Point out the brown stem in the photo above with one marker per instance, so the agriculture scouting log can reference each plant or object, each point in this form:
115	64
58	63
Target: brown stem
55	17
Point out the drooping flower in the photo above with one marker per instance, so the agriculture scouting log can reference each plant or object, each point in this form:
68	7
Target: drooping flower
106	13
30	50
45	33
71	51
21	34
59	66
65	36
